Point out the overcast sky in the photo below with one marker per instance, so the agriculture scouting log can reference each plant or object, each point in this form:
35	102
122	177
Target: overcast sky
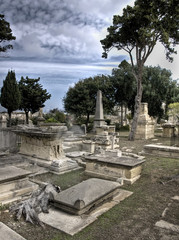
59	41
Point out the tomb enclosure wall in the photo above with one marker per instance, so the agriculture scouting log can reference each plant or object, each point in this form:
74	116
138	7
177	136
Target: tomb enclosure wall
8	140
45	148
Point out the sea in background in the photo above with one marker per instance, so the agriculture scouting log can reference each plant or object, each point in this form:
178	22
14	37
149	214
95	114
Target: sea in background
55	77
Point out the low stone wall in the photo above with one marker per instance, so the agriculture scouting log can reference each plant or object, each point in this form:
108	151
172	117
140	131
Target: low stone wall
8	140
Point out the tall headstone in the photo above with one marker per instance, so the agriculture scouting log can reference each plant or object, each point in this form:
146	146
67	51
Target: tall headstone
99	117
145	126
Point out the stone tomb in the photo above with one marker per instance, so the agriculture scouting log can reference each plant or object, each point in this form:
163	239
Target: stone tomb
14	184
86	195
45	148
40	143
114	166
80	205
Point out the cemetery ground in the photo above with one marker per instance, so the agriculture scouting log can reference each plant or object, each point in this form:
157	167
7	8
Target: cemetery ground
133	218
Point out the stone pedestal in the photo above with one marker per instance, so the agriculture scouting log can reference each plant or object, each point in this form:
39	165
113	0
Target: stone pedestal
145	127
88	146
168	130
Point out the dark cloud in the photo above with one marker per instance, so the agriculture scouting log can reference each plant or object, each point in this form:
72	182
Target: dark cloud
47	12
58	30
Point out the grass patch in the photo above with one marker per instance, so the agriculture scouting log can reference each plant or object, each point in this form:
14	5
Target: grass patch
4	207
65	180
149	199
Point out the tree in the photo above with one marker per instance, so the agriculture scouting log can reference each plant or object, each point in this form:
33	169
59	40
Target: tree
33	95
38	202
174	110
137	31
158	88
124	86
80	100
5	34
10	94
55	115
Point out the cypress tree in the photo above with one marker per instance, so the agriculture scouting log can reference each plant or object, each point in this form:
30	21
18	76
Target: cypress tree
10	94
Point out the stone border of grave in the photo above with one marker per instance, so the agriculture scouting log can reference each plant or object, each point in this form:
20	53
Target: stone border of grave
161	150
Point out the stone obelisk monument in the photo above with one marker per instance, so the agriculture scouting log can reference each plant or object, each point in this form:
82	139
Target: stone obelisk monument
99	117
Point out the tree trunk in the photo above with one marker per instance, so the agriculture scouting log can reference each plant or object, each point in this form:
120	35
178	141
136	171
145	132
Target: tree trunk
27	117
121	115
37	203
137	106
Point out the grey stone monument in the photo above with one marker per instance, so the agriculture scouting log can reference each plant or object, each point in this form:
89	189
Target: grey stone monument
99	117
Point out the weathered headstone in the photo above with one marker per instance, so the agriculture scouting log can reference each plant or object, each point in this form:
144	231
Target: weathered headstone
145	126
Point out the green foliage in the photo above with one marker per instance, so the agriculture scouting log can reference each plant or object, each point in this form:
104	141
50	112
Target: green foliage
141	26
33	95
34	120
174	109
80	100
158	87
51	120
10	94
5	34
55	115
124	85
80	120
118	127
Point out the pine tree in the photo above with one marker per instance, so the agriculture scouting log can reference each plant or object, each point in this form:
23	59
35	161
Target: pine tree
10	94
5	34
33	95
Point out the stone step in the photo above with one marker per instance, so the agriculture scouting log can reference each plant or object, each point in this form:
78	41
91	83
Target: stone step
5	202
9	196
